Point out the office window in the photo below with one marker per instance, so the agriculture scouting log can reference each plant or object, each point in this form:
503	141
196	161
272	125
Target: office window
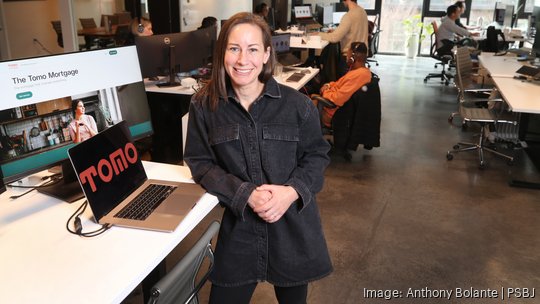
367	4
485	9
392	39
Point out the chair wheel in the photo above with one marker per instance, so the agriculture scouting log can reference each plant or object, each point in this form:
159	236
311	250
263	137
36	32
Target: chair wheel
510	162
446	82
449	156
455	147
482	165
425	80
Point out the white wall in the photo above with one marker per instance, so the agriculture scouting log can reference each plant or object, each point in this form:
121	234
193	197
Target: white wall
193	12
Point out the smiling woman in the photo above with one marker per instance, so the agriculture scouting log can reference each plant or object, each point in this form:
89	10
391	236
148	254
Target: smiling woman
257	146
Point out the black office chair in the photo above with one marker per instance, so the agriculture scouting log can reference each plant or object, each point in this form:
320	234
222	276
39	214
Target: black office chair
443	60
373	42
57	26
178	285
357	122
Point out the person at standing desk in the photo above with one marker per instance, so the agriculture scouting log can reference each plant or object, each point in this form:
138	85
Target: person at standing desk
257	146
83	126
449	29
353	27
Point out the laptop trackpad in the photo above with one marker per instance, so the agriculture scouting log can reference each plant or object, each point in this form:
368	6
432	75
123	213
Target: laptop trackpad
178	204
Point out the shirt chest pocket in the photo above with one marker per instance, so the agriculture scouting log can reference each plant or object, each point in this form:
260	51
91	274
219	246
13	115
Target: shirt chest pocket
280	144
225	141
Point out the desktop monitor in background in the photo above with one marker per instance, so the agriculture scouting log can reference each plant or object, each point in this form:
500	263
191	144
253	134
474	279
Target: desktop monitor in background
536	43
336	17
508	16
324	14
168	54
499	13
36	108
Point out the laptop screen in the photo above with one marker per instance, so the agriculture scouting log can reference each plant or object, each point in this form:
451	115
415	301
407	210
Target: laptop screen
281	43
108	168
303	11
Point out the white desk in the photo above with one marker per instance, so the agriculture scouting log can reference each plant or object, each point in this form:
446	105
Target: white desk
521	96
300	84
150	86
40	262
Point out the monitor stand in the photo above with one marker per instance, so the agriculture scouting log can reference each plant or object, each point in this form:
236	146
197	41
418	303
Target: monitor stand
68	189
172	75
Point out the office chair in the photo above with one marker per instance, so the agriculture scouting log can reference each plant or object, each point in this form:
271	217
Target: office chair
373	41
471	111
329	61
57	26
357	122
87	23
178	285
443	60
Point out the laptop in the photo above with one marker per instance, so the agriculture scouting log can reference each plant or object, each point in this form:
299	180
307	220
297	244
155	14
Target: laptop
281	44
118	191
303	16
529	71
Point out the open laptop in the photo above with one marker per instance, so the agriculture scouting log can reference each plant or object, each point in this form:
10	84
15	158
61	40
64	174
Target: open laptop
115	184
281	44
303	16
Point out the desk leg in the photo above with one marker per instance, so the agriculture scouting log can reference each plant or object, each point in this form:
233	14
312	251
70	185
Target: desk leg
152	278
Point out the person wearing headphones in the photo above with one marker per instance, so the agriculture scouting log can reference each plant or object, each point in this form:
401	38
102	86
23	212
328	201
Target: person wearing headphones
141	27
340	91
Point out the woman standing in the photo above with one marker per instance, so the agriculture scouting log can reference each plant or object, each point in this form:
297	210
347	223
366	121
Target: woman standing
257	146
82	126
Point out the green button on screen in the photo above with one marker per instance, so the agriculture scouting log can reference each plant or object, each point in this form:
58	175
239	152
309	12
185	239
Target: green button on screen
24	95
113	52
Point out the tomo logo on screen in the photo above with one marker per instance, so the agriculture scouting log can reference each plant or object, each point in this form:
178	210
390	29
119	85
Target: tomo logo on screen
106	169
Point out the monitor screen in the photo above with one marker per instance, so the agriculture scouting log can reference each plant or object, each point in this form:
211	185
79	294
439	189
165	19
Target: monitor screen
508	14
336	17
161	55
38	94
281	43
302	11
324	14
536	43
499	15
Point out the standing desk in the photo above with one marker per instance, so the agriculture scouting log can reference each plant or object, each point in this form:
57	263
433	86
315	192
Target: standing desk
40	261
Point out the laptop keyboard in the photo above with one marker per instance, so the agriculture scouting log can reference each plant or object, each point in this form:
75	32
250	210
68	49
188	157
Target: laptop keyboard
146	202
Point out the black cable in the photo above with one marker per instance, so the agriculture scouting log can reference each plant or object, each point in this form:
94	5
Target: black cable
42	47
78	225
32	188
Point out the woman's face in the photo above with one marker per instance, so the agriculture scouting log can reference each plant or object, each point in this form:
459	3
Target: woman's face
245	55
80	108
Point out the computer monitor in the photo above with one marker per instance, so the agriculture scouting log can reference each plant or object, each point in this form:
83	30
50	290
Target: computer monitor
508	16
536	43
168	54
336	17
324	14
302	11
499	14
36	107
281	43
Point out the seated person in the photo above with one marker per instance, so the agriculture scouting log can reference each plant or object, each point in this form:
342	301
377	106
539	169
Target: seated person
139	27
340	91
447	31
82	126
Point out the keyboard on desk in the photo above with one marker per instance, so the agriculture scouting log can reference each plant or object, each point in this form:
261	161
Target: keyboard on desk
147	201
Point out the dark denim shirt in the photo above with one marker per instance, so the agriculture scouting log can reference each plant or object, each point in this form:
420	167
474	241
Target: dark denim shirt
230	152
